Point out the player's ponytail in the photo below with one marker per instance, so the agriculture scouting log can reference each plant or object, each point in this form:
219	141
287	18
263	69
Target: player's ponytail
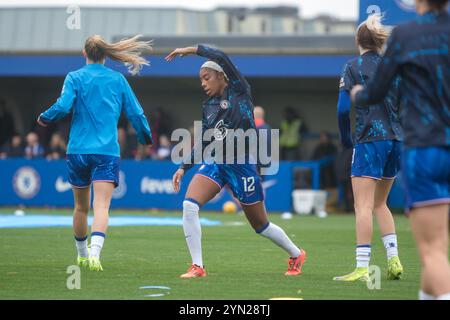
371	34
128	51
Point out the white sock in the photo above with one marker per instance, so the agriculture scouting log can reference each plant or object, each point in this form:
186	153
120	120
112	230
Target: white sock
280	238
425	296
390	244
193	231
363	256
81	244
97	240
445	296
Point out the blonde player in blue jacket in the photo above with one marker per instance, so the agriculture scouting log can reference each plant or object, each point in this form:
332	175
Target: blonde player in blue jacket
96	96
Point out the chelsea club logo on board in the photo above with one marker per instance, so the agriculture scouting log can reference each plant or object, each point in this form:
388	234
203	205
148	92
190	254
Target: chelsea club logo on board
26	182
407	5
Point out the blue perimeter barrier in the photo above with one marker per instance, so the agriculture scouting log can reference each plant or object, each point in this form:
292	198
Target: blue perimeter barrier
250	65
143	185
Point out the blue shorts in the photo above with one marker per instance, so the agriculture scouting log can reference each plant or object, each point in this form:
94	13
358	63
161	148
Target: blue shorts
242	179
426	176
85	168
376	159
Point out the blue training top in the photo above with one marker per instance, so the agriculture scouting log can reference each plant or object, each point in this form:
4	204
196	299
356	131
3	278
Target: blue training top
97	95
379	121
233	110
418	51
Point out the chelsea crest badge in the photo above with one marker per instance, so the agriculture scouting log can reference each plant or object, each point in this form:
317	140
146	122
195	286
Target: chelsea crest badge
224	104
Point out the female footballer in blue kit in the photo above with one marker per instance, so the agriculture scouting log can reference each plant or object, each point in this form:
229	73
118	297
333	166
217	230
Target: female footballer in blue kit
229	106
418	51
96	96
376	154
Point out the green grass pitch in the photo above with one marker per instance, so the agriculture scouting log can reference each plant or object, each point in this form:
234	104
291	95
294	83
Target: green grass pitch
239	263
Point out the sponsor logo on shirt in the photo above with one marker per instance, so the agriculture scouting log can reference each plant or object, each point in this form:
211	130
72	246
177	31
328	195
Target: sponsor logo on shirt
220	130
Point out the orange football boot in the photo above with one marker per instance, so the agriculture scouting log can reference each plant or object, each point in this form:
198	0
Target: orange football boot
194	271
295	264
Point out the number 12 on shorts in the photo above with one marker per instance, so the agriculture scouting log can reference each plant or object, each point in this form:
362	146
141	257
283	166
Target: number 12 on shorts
249	184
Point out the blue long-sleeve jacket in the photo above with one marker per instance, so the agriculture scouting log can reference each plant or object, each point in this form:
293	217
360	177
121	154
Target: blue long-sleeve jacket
96	95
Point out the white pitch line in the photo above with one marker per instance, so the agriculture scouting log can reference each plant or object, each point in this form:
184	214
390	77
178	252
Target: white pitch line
234	224
155	287
286	298
154	295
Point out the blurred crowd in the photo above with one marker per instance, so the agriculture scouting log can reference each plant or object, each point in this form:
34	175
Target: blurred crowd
30	147
51	142
161	125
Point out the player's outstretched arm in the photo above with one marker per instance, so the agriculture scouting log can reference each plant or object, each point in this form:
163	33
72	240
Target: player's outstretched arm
221	58
181	52
62	106
217	56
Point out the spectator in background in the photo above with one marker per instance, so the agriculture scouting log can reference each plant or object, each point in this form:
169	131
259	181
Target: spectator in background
164	148
44	135
260	124
6	123
142	152
161	125
126	150
290	137
57	147
33	148
13	149
324	149
132	142
3	150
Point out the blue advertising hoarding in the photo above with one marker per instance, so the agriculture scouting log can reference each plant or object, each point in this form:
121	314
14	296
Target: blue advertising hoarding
143	185
251	66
